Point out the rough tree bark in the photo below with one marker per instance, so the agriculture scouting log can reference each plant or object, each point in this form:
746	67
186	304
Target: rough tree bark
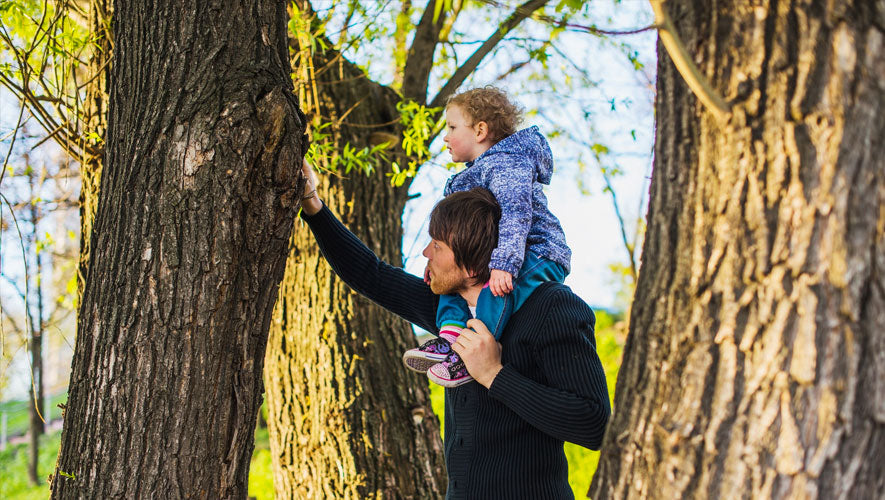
345	419
754	363
200	186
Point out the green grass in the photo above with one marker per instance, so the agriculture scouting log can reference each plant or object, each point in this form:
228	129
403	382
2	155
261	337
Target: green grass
14	481
261	469
17	413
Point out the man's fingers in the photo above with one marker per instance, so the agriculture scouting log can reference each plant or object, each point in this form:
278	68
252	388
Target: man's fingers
308	171
476	327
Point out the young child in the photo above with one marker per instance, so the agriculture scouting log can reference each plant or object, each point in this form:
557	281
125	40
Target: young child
481	131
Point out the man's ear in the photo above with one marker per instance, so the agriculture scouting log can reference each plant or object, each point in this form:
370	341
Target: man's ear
481	130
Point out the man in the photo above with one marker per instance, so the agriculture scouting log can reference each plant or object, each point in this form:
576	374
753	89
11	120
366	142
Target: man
541	386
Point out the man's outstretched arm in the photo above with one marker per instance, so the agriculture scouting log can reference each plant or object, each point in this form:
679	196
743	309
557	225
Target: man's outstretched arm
390	287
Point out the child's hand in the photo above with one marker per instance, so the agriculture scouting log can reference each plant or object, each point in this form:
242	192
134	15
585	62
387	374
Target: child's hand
501	283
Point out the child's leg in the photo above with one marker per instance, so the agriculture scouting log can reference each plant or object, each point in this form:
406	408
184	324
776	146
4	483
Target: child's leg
535	272
494	312
451	316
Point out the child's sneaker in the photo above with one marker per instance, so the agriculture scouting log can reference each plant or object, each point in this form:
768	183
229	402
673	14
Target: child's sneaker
450	373
421	358
433	351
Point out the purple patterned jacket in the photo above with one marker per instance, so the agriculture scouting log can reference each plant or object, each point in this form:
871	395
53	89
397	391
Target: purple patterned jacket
514	170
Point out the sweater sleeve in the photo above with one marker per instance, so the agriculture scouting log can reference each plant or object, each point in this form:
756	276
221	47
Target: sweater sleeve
511	183
390	287
572	404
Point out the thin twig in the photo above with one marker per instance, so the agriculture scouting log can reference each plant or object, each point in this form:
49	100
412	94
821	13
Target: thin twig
29	323
461	74
18	125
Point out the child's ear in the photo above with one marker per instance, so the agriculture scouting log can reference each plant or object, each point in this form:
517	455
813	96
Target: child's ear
482	131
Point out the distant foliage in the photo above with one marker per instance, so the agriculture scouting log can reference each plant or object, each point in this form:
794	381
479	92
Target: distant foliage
14	483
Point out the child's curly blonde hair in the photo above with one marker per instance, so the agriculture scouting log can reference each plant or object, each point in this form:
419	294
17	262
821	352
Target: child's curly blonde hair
491	105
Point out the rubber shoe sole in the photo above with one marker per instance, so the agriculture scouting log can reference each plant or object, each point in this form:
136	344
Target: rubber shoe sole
448	382
421	361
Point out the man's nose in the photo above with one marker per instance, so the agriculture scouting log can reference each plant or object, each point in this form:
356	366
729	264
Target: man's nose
426	251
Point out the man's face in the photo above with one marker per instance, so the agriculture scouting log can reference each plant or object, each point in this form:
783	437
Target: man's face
446	278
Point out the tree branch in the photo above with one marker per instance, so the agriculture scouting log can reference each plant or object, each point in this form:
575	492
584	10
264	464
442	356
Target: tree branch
686	67
419	61
520	14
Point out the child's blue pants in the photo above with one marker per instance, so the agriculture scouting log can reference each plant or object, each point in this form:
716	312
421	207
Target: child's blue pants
495	311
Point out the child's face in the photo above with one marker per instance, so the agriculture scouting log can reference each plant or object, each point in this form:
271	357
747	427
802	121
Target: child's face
463	139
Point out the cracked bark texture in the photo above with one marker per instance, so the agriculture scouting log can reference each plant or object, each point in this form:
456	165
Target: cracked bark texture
755	362
200	187
345	419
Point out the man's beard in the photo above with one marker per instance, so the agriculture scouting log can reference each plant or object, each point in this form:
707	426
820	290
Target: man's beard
447	285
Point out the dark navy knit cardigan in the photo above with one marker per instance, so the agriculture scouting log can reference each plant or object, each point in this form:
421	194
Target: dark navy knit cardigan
506	441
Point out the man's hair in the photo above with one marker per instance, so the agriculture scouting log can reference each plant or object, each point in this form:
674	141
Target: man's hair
467	221
491	105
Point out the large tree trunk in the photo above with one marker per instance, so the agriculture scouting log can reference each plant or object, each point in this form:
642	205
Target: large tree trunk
346	420
199	191
753	366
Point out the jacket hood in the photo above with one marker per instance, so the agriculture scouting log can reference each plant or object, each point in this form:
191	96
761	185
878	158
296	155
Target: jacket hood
528	143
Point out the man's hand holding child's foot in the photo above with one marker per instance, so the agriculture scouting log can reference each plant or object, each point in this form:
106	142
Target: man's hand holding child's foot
480	352
501	283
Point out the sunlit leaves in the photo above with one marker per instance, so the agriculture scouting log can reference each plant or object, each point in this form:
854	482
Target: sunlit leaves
325	153
420	124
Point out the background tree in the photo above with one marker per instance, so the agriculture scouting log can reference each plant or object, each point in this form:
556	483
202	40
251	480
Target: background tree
44	47
752	366
59	57
34	203
200	188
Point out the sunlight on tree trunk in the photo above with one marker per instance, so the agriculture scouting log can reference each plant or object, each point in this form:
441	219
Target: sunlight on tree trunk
94	125
753	363
341	407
